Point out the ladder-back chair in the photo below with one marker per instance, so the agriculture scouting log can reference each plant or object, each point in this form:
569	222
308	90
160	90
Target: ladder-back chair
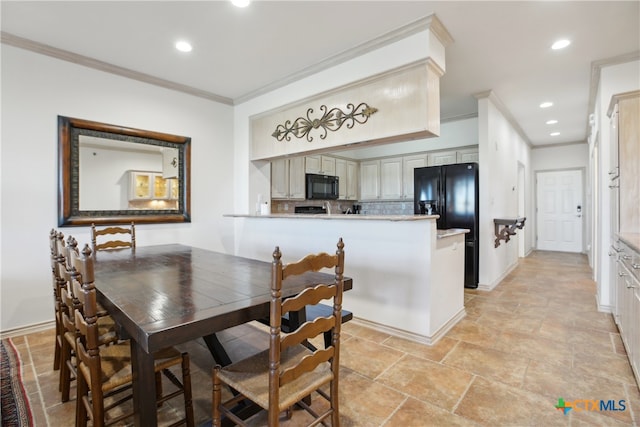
288	372
104	371
125	237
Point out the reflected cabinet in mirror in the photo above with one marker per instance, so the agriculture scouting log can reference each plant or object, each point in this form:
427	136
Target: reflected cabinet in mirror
110	174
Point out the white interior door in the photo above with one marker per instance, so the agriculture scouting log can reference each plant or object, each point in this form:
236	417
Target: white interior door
559	210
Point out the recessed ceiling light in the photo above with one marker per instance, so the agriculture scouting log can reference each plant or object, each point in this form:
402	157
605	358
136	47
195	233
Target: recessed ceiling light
240	3
554	133
552	122
183	46
560	44
546	104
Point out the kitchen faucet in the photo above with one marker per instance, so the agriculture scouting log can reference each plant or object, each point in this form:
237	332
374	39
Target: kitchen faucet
328	206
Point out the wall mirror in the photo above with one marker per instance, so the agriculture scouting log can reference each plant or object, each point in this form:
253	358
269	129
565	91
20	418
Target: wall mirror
110	174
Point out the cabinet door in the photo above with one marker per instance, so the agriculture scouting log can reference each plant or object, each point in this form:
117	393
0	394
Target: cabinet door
629	135
280	179
409	163
370	180
635	333
174	189
391	178
141	186
352	180
442	158
341	173
467	156
328	165
296	178
313	164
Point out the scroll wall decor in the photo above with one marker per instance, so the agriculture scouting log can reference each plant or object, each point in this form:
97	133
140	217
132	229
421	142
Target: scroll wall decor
331	120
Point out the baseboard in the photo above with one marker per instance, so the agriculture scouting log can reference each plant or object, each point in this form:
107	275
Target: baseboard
24	330
491	286
401	333
604	308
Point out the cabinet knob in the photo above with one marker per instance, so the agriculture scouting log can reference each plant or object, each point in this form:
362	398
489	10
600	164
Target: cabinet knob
622	274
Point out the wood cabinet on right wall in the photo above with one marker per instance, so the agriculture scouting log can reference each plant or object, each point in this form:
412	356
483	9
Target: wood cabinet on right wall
624	172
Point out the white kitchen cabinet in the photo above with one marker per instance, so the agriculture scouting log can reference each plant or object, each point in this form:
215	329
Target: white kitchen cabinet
409	163
287	178
352	180
467	156
296	178
152	186
324	165
341	173
391	178
347	173
449	157
440	158
370	180
628	304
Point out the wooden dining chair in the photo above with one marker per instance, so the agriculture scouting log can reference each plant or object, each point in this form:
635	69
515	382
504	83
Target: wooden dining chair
71	303
105	371
125	237
285	374
58	306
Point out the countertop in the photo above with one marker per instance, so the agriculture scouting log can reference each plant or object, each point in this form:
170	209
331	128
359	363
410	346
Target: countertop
452	232
631	239
342	216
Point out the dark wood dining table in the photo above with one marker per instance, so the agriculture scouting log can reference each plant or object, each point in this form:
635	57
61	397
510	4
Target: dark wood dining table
165	295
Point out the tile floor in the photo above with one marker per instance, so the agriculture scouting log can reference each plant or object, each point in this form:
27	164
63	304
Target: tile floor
535	338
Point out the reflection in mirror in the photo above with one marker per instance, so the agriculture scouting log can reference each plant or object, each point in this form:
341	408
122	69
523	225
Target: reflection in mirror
111	174
121	175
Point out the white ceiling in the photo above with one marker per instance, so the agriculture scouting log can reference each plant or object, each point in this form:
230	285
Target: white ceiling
239	53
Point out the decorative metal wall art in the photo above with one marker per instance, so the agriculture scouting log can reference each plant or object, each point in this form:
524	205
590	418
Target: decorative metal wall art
331	120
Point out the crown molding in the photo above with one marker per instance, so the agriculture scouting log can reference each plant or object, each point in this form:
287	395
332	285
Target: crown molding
505	112
43	49
561	144
458	117
428	22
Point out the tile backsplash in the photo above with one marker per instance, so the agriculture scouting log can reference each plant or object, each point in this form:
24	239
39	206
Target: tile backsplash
340	206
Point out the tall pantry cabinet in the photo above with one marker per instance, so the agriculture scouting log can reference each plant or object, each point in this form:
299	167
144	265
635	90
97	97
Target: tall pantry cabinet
624	112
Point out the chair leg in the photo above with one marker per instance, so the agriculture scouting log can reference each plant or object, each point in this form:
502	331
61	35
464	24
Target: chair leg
216	399
57	352
65	371
186	386
81	410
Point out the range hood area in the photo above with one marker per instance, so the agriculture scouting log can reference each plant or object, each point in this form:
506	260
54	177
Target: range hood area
396	105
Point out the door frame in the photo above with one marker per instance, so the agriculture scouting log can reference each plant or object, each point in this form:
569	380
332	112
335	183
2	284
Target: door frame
583	195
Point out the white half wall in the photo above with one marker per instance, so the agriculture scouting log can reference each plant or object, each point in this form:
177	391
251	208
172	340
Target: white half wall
35	90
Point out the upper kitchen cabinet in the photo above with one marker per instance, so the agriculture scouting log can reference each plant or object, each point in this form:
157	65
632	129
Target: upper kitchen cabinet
390	178
626	107
370	180
347	173
466	155
151	186
287	178
409	163
323	165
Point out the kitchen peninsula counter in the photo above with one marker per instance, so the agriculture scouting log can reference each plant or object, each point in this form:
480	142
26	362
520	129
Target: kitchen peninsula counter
408	277
341	216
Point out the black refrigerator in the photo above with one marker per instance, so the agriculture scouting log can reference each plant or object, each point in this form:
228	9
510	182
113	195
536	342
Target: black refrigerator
451	191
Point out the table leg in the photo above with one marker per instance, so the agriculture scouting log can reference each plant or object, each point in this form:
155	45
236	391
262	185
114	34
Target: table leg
144	387
217	350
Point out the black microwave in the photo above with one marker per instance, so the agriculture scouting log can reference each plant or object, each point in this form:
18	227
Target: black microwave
321	186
